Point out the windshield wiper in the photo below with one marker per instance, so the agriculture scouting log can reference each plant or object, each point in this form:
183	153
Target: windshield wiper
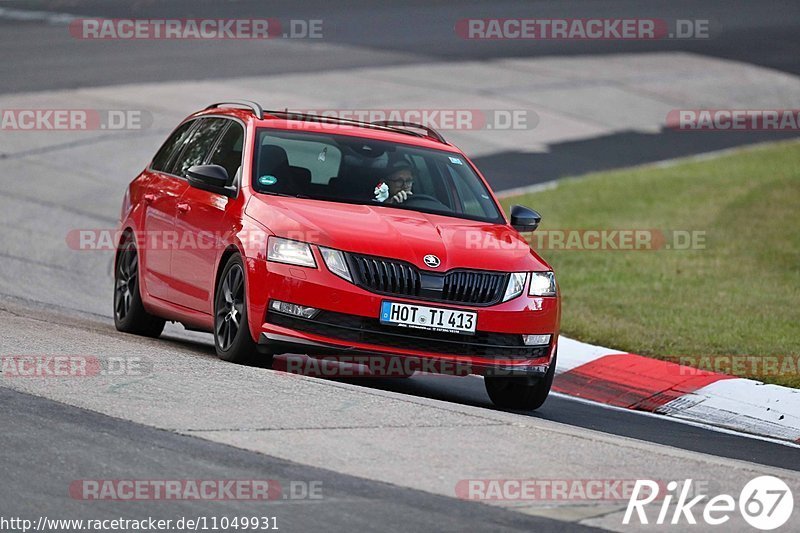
285	195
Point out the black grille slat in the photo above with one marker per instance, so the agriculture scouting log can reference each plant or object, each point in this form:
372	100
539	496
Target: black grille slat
393	277
387	280
492	285
469	283
378	276
475	279
373	278
483	285
459	288
401	284
367	269
479	286
360	266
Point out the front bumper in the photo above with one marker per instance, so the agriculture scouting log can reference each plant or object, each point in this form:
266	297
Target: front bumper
348	324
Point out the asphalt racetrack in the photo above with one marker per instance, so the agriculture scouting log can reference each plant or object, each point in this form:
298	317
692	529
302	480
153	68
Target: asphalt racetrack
388	453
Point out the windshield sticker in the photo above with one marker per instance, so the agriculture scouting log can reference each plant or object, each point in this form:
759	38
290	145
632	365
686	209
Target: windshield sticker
456	161
323	154
267	180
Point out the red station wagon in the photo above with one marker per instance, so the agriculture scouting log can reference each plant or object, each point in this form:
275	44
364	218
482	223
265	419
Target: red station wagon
281	232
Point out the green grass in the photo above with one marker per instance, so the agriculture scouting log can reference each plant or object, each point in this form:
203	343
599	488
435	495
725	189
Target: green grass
738	296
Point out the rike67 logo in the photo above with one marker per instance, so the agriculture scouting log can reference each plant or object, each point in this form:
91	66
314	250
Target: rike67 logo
766	503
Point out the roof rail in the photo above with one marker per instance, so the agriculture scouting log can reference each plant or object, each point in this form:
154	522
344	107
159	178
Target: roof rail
390	125
257	110
384	125
399	123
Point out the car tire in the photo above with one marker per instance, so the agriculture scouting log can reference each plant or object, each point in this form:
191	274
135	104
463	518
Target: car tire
130	315
520	393
232	338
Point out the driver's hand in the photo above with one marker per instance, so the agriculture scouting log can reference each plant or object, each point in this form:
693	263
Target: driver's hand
400	197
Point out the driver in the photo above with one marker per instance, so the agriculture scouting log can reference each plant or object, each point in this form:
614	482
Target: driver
396	188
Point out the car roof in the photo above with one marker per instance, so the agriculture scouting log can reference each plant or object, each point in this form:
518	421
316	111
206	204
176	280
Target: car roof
326	125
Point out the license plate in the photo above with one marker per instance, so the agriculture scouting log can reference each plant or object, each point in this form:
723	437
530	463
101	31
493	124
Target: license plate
430	318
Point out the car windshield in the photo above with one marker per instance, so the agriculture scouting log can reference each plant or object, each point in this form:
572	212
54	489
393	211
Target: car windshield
341	168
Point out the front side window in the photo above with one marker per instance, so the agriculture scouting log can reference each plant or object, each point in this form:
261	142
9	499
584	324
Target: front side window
341	168
228	152
167	152
198	146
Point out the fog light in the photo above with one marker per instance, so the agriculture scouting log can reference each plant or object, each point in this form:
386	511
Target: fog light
535	340
293	309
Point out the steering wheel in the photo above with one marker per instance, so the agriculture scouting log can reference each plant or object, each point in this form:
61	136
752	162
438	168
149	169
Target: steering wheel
422	199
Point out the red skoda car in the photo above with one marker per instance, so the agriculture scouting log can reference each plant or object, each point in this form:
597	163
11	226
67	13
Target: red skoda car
289	233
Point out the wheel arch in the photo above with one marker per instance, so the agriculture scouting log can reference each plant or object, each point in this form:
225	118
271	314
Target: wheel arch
253	315
124	235
229	251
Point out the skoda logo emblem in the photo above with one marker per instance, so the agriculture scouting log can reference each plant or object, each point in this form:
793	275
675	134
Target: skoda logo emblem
431	260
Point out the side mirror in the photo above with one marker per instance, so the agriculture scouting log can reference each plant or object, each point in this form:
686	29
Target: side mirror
212	178
524	219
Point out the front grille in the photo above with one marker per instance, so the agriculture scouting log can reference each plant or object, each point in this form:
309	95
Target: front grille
473	287
383	275
354	328
393	277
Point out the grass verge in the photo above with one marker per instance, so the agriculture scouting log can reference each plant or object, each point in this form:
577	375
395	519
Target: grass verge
710	306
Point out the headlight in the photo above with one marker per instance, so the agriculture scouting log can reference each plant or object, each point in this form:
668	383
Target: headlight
542	284
516	284
334	260
291	252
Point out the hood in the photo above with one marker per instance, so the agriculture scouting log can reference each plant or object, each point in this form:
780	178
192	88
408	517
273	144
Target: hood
396	233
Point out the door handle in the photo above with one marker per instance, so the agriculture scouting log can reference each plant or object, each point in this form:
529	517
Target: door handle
183	207
149	198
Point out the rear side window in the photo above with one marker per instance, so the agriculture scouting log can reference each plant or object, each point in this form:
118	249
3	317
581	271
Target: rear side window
198	146
161	161
228	152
